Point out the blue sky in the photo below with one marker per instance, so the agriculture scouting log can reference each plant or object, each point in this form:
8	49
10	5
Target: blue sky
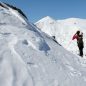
57	9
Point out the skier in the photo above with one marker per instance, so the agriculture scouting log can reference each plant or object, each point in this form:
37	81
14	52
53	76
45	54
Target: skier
54	39
80	44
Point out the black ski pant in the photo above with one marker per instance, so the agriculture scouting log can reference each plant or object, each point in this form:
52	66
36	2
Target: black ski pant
81	51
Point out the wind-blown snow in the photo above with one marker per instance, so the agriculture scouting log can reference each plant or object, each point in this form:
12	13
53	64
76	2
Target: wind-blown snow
64	30
29	57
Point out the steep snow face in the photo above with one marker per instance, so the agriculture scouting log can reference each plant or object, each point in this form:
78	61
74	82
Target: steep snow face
11	16
29	57
64	30
13	31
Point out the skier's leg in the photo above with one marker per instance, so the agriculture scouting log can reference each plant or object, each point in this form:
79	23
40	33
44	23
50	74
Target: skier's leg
81	52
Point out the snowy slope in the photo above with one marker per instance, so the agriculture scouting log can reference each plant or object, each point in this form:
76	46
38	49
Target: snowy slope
29	57
63	30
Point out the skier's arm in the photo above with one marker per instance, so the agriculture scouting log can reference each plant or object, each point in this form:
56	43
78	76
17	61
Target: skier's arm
74	37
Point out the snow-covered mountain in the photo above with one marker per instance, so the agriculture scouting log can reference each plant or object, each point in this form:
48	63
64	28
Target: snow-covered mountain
29	57
63	30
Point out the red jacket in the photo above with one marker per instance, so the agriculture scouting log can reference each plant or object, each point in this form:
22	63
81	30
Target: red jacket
75	37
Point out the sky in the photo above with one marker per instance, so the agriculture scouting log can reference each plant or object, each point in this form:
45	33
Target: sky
57	9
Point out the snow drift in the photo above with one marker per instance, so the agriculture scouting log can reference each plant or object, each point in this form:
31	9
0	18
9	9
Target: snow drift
29	57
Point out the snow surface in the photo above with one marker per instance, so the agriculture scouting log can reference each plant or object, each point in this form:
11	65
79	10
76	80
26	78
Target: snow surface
64	30
29	57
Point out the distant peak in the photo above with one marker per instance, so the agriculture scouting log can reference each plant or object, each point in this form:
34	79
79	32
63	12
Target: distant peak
73	19
48	17
45	19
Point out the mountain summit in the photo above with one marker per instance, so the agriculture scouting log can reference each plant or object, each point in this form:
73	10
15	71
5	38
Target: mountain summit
45	19
29	57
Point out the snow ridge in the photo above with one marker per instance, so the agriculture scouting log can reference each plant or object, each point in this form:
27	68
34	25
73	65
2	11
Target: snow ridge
14	12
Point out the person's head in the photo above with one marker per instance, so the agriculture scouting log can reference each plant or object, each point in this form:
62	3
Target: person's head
78	32
53	37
